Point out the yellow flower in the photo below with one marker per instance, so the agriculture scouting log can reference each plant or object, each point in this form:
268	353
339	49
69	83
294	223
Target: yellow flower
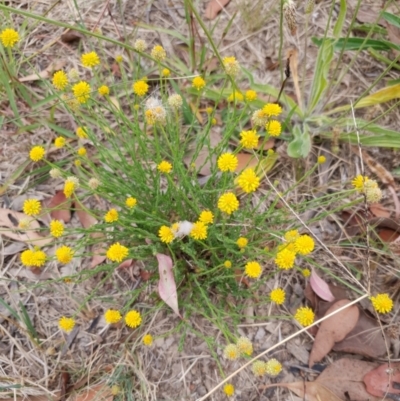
117	252
250	95
39	258
56	228
231	66
321	159
71	183
119	58
242	242
148	340
273	128
64	254
112	316
206	217
291	236
253	269
133	319
32	207
81	91
111	216
140	88
37	153
304	245
90	60
175	101
27	258
198	83
158	53
245	346
115	390
229	389
165	72
104	90
304	315
81	151
164	167
60	80
228	203
272	109
66	324
231	352
248	180
77	163
249	139
382	303
81	132
209	110
285	259
59	142
273	367
259	368
235	97
213	121
228	264
9	37
359	182
140	45
131	202
306	273
278	296
227	162
166	234
199	231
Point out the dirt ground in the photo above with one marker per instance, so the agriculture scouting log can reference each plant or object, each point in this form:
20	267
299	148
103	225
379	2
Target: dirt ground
175	368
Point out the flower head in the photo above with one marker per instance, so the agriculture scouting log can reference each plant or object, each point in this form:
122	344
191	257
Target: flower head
227	162
33	258
235	96
32	207
272	109
175	101
9	37
206	217
249	139
112	316
259	368
304	245
382	303
250	95
253	269
104	90
231	352
130	202
158	53
59	142
27	258
56	228
82	151
198	83
133	319
259	118
24	223
231	66
165	72
81	132
111	216
81	91
117	252
372	192
119	59
248	180
73	74
306	273
93	183
199	231
304	315
66	324
285	259
37	153
64	254
273	127
228	203
321	159
90	60
359	182
55	173
166	234
148	340
60	80
164	167
70	185
273	367
291	236
278	296
140	45
229	389
242	242
140	88
245	346
228	264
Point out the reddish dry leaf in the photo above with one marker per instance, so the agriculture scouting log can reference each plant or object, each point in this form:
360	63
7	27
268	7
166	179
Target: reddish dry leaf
99	392
99	255
9	220
379	210
333	329
246	160
383	380
145	275
125	264
345	376
84	217
214	7
71	36
60	207
309	391
166	285
320	287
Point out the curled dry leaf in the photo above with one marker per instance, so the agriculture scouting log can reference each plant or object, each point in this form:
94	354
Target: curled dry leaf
333	329
320	287
214	7
71	36
383	381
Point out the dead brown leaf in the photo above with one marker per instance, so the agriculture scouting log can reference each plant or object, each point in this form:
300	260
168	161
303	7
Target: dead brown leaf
60	207
333	329
214	7
71	36
46	73
99	392
384	380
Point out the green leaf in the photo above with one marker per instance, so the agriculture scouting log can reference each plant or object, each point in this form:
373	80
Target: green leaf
337	30
356	43
392	19
301	144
